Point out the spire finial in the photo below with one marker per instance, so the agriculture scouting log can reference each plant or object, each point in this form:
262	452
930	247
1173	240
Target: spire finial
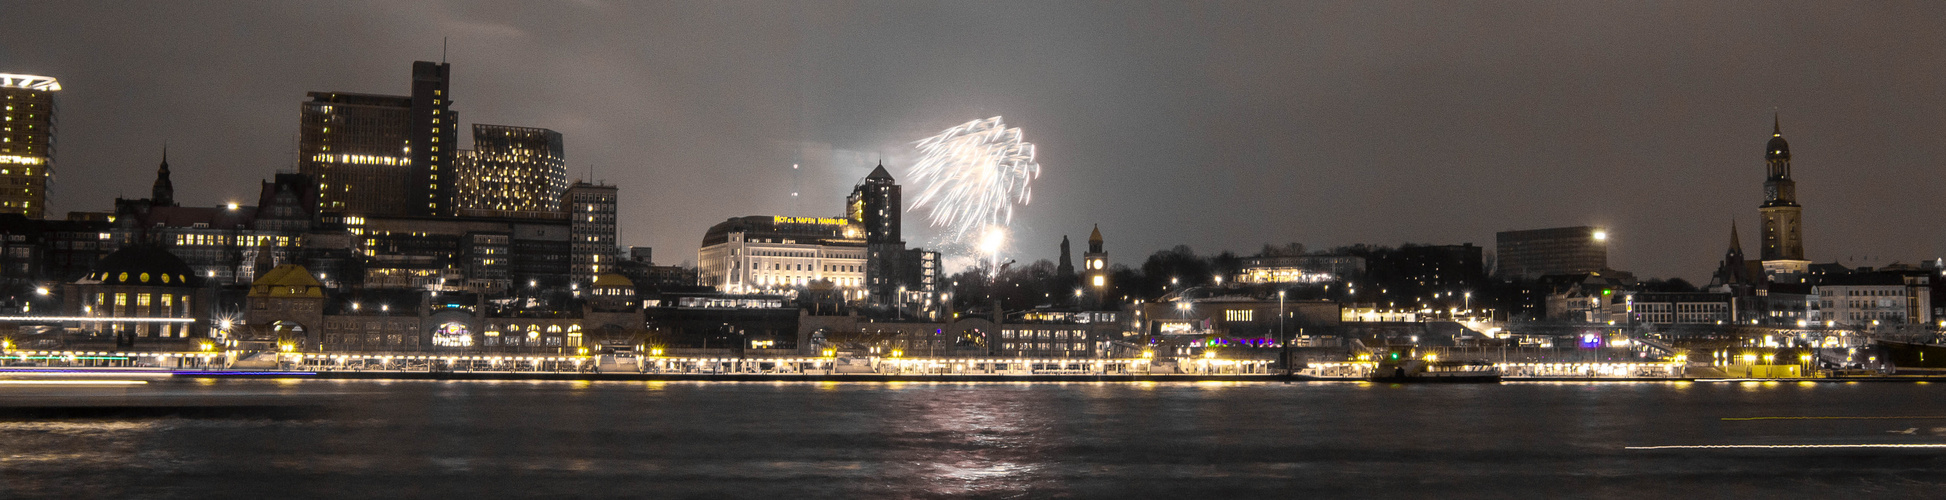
1776	124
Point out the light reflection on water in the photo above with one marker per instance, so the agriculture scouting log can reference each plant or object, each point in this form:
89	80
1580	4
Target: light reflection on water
1013	440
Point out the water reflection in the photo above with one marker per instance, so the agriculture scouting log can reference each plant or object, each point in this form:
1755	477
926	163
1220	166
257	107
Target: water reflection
1021	440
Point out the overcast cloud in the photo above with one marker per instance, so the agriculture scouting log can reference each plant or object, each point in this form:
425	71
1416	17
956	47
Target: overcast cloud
1214	124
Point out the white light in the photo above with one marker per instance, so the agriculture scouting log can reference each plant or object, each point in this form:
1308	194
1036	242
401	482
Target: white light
1601	235
995	237
233	206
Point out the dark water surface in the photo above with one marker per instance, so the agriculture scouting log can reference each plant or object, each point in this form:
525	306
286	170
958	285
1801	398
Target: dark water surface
1028	440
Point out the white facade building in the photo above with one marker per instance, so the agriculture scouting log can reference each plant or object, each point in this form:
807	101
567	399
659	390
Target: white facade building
778	254
1865	300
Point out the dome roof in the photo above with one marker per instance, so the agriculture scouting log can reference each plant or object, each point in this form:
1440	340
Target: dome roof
143	265
1777	149
613	280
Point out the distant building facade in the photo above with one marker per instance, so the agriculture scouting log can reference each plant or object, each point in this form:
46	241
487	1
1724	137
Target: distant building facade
1300	269
1534	253
1664	309
1864	300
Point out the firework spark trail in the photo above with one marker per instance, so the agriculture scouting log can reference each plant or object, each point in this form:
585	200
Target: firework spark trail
973	175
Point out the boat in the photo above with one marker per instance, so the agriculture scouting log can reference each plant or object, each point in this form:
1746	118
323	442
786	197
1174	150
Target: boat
1402	367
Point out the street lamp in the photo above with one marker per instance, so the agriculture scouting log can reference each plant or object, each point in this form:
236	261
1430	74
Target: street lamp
1280	334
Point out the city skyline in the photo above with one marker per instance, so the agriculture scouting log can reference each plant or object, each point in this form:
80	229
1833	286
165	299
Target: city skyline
1651	127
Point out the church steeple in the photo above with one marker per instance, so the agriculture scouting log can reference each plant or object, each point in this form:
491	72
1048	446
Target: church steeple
164	194
1783	239
1736	246
1733	273
1065	268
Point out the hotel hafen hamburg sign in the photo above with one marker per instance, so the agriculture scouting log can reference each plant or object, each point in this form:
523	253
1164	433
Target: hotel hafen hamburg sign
811	220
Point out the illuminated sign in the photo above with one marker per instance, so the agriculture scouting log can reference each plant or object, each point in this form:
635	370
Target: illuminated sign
811	220
452	335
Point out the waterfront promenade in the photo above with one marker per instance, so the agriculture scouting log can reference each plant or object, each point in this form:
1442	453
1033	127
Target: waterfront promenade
828	368
213	365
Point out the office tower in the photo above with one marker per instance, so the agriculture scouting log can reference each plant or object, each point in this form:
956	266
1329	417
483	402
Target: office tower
511	172
26	142
383	155
591	227
1534	253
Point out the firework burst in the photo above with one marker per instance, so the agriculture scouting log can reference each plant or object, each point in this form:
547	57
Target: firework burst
973	175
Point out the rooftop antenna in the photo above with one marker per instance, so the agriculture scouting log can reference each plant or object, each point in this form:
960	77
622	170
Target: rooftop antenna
442	50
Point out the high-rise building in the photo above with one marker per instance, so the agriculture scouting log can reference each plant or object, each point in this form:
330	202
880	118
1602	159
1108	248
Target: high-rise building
874	205
1534	253
26	142
435	137
1783	218
512	172
383	155
591	227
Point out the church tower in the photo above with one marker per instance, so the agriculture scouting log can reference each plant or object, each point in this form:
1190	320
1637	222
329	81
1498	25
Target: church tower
1783	218
1065	268
1733	273
164	192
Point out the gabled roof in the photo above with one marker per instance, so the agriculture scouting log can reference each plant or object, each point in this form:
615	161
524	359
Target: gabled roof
288	280
880	173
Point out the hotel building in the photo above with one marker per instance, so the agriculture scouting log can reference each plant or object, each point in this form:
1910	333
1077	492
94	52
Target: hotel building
773	254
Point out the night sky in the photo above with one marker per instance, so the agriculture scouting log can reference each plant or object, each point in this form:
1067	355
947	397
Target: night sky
1217	125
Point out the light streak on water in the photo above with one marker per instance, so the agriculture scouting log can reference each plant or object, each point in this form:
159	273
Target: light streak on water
1785	446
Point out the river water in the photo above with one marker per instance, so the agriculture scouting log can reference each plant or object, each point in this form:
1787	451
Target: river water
1004	440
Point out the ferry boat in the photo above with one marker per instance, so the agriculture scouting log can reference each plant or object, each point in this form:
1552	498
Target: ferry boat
1401	366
